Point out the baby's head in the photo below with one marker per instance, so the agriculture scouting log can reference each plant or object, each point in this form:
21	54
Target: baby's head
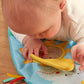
40	18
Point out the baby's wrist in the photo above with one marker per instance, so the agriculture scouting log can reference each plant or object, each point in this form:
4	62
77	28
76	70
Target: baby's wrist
25	39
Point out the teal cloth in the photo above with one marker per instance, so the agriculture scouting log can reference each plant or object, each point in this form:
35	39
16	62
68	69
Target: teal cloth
31	70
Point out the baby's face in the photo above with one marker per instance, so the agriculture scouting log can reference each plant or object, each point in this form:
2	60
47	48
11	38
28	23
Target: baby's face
39	19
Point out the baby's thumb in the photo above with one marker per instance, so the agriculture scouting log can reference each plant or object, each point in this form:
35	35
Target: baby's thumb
73	53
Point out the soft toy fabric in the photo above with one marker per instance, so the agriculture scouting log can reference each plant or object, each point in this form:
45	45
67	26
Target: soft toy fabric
36	73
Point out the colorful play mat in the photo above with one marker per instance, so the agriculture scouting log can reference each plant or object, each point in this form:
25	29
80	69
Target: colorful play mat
58	68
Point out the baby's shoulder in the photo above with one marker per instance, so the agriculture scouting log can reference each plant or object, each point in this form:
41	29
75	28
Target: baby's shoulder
75	9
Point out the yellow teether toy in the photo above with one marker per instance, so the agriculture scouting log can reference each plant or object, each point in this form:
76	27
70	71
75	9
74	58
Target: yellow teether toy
59	63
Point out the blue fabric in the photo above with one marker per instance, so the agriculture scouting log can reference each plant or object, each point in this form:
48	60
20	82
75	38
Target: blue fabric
30	70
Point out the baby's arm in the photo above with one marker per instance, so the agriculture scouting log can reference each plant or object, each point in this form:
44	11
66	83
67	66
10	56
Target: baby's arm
77	51
31	45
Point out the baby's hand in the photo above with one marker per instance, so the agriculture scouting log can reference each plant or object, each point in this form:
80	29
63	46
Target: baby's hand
77	52
33	46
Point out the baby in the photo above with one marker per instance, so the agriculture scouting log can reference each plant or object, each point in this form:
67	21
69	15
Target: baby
46	19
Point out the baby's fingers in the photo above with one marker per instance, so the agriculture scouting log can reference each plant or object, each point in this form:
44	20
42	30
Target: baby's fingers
73	53
82	63
44	48
81	67
29	54
25	52
36	51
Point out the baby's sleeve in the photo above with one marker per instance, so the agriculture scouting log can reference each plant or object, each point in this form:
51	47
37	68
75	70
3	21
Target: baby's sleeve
77	31
18	36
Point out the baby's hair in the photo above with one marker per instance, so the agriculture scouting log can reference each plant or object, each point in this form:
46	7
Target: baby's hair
18	8
32	2
17	13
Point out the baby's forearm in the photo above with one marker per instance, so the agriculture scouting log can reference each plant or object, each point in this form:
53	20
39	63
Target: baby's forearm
77	34
26	38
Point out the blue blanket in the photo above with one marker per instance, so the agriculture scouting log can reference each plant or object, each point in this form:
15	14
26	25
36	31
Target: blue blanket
36	74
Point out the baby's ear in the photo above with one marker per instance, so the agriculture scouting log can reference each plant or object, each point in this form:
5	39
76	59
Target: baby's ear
62	5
